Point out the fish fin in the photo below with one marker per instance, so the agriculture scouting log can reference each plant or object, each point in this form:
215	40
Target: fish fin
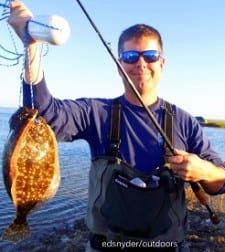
16	232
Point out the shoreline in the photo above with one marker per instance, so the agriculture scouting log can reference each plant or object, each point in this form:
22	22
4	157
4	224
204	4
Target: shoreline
214	123
201	234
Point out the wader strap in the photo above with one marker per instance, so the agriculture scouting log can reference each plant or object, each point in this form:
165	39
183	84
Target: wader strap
168	127
115	128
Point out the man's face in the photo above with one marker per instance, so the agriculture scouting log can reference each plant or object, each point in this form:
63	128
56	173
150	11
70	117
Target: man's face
144	75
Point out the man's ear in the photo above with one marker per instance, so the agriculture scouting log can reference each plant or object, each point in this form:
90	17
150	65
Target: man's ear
162	62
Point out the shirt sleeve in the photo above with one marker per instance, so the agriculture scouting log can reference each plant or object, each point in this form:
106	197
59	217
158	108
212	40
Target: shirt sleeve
191	137
37	94
69	119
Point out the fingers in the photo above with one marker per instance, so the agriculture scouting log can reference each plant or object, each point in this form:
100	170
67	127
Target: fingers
178	163
19	15
185	165
180	152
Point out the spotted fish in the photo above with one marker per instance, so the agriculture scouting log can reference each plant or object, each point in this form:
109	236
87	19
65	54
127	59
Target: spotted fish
30	168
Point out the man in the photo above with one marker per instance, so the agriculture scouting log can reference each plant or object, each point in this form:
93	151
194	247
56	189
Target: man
134	200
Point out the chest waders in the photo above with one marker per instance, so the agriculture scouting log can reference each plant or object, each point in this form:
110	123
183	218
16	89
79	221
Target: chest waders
121	210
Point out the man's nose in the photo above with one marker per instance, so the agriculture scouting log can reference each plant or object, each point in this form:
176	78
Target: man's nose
141	61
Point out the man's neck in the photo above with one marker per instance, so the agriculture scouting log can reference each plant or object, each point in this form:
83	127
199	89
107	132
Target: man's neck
148	100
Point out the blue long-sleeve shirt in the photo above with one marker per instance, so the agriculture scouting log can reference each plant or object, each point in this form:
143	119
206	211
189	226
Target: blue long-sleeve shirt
141	144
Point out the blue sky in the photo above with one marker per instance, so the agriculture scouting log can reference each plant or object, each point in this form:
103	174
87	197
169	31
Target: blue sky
194	47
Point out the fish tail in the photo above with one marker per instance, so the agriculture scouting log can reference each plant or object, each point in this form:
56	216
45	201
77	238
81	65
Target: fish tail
16	232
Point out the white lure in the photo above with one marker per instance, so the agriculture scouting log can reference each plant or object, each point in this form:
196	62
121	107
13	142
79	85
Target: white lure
52	29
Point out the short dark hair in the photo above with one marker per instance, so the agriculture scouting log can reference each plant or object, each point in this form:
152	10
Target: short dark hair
138	31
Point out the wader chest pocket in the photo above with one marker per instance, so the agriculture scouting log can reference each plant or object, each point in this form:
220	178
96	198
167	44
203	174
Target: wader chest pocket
136	210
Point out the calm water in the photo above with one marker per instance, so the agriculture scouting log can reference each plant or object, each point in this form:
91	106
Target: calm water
70	202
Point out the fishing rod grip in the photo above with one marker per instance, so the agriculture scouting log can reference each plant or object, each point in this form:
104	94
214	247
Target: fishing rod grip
201	196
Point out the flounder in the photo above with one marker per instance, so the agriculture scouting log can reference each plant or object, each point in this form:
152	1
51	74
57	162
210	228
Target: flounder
30	168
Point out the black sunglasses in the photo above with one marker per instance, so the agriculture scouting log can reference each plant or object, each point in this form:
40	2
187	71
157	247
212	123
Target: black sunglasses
132	57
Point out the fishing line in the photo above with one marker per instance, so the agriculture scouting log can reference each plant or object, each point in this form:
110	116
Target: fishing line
5	13
45	29
12	56
4	5
13	53
196	188
22	77
17	56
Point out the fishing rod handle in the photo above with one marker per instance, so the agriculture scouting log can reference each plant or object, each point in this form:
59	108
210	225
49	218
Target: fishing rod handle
201	196
52	29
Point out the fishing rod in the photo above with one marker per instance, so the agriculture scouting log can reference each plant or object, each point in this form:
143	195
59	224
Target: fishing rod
196	188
